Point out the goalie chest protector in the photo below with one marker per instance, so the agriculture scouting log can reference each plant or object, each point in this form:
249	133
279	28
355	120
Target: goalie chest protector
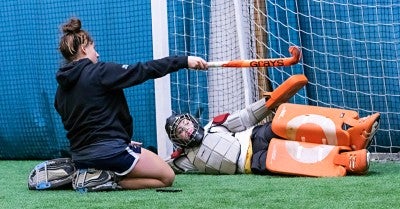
218	154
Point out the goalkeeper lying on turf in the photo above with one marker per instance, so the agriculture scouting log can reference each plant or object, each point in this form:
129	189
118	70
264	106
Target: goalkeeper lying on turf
300	140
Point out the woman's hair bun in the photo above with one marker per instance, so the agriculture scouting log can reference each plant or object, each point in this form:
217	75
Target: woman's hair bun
72	26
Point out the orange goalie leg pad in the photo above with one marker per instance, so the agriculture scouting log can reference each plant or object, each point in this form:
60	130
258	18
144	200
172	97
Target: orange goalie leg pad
285	91
312	124
306	159
324	125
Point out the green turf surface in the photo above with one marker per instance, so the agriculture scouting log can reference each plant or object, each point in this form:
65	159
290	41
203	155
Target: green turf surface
380	188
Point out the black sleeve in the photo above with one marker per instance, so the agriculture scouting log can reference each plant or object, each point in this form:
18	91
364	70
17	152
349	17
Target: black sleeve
118	76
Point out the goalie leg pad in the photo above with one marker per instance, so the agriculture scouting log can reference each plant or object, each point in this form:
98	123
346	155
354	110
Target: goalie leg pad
324	125
51	174
93	180
305	159
313	124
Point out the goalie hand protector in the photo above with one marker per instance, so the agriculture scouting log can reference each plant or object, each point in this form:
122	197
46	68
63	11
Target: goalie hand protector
93	180
51	174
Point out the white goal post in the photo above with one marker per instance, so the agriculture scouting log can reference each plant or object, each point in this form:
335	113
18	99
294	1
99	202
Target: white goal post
161	85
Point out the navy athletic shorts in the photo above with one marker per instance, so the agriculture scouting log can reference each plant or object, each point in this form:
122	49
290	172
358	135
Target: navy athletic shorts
121	164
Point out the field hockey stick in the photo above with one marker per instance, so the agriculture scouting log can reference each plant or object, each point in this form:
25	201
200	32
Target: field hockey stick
273	62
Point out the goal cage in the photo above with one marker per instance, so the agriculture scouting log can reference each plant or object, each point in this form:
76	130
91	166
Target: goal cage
350	57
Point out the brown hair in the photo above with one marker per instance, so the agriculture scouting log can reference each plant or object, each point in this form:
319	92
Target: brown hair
73	37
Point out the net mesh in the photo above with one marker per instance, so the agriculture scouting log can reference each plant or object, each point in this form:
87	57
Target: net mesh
350	56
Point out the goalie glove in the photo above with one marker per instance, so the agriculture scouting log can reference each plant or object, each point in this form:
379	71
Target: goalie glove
181	164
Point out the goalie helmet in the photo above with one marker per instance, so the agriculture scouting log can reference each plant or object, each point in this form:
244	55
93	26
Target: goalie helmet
171	126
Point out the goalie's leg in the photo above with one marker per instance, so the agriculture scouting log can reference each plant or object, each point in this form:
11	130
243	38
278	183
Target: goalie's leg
259	110
324	125
260	139
308	159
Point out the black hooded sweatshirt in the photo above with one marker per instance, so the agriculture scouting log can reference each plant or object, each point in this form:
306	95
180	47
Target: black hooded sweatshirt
91	101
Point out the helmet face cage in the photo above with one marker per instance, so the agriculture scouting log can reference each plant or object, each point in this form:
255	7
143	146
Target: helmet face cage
171	128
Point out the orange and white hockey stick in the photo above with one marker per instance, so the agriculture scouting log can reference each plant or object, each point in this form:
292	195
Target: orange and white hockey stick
273	62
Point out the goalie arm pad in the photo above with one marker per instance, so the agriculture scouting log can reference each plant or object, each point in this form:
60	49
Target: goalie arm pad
245	118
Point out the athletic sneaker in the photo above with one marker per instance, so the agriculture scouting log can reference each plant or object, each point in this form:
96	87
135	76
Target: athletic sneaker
92	180
52	174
